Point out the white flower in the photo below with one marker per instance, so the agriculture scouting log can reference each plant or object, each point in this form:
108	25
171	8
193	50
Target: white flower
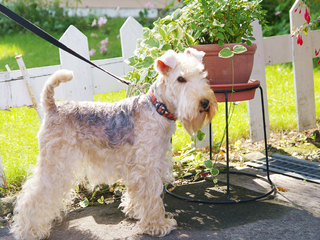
92	52
104	41
94	23
101	21
149	5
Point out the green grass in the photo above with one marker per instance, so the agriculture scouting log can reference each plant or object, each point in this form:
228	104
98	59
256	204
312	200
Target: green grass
46	54
18	143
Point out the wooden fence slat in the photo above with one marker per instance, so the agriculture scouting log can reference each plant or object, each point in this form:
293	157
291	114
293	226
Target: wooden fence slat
14	94
254	105
303	74
102	82
277	49
80	88
3	182
130	31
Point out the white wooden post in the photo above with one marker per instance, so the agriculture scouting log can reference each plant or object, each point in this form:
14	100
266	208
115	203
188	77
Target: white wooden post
303	73
81	87
254	105
3	182
130	31
35	99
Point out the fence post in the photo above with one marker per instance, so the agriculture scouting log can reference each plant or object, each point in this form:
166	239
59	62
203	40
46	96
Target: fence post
254	105
303	73
130	31
3	182
35	99
81	87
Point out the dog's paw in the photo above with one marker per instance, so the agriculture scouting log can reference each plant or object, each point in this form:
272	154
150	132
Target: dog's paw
159	229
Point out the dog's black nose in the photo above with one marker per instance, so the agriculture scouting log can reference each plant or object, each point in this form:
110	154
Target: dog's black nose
204	104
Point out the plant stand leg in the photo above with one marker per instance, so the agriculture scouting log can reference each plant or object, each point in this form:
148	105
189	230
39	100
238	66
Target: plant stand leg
227	145
265	136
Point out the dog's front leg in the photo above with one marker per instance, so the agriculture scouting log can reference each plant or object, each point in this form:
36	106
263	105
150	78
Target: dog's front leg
143	201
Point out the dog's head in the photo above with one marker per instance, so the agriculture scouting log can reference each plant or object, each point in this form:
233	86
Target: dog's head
184	88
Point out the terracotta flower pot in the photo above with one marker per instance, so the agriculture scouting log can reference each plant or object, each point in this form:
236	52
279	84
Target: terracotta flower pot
220	69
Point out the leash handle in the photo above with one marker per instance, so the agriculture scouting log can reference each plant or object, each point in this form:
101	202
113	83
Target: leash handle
44	35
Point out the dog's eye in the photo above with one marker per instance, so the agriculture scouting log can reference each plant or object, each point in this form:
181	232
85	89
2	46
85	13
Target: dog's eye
181	79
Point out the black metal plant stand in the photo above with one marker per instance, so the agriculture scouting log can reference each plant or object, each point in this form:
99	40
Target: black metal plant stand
228	172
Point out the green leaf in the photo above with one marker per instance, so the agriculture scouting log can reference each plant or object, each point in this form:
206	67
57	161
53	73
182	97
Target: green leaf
146	33
151	42
152	73
172	27
217	23
101	200
131	61
148	61
198	157
197	35
155	53
178	32
221	43
220	36
249	43
200	135
239	49
196	177
181	47
192	150
214	172
143	75
94	194
190	40
226	53
84	203
208	164
162	33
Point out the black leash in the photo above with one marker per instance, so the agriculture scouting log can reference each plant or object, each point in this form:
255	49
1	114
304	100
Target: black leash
44	35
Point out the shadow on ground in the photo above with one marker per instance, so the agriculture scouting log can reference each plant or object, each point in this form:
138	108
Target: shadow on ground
264	219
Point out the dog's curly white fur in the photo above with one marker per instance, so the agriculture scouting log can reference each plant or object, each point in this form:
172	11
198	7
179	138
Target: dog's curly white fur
105	142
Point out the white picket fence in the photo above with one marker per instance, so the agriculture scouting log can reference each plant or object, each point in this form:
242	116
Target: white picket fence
17	87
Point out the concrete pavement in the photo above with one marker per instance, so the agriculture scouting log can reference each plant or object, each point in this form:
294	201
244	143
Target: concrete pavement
294	214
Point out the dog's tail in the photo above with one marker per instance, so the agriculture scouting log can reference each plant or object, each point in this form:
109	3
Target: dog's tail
47	100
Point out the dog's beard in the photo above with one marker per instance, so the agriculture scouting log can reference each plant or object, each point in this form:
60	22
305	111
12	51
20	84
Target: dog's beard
192	126
193	119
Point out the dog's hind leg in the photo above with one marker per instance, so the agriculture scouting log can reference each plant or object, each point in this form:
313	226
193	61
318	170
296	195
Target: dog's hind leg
40	201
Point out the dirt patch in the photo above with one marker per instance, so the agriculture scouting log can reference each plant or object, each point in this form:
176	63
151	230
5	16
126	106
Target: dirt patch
303	145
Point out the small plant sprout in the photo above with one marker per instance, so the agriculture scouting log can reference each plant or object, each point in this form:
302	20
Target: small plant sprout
227	52
101	200
209	165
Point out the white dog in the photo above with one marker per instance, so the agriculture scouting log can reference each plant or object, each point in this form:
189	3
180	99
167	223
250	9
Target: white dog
105	142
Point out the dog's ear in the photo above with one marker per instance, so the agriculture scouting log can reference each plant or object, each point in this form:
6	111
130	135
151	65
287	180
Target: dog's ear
166	62
197	54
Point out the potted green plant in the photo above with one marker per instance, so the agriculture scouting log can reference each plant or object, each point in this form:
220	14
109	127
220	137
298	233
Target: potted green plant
201	23
224	27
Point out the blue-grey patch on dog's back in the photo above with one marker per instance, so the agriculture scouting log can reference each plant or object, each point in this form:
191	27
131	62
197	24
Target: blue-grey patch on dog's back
108	124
